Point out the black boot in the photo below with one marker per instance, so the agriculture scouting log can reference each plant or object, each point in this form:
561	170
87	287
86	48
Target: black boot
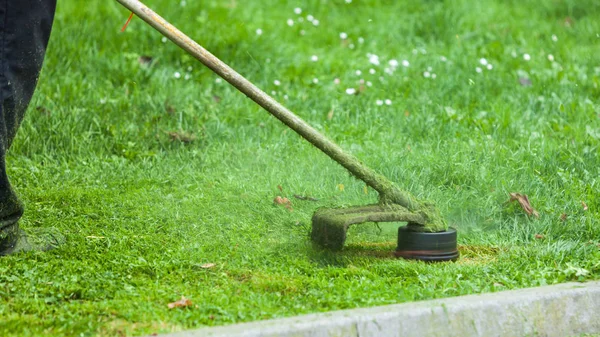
24	32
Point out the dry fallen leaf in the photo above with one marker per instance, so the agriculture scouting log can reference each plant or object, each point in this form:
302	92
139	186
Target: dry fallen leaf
182	303
539	236
280	188
525	82
330	115
524	202
145	60
285	202
207	265
568	21
585	206
340	187
43	110
169	108
304	197
563	217
182	136
406	113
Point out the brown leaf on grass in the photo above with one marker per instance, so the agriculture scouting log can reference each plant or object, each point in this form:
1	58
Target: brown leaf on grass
568	21
303	197
182	136
217	99
280	188
524	202
406	113
585	206
207	265
563	217
145	60
42	110
169	108
182	303
285	202
525	81
539	236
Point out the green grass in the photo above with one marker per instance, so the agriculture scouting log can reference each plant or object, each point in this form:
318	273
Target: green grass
143	213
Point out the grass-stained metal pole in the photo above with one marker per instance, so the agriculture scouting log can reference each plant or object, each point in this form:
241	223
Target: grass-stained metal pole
388	192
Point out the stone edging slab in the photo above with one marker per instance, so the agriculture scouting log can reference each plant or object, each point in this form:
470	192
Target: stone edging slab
560	310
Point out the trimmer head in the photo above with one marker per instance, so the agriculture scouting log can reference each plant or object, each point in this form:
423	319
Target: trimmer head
330	225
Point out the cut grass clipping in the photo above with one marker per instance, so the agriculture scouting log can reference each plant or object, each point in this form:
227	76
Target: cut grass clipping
494	98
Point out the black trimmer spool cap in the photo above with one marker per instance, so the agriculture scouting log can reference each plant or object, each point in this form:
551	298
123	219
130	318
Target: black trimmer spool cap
434	247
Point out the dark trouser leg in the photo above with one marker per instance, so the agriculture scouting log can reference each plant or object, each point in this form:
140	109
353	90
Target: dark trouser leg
25	27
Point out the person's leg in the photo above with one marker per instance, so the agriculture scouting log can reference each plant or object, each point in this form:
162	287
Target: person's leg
25	27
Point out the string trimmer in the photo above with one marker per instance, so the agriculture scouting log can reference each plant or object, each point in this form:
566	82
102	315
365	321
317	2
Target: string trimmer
425	237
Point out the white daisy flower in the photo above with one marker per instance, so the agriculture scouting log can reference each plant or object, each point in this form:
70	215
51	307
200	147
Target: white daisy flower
478	70
298	10
526	57
290	22
314	58
277	83
379	102
343	36
388	102
483	61
351	91
177	74
373	59
259	31
405	63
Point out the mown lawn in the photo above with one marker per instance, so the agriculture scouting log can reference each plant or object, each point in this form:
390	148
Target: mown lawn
154	172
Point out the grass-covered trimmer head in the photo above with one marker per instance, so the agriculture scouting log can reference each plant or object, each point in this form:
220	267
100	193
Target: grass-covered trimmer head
329	226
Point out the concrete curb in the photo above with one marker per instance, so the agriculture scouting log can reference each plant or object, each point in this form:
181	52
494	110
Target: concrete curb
561	310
